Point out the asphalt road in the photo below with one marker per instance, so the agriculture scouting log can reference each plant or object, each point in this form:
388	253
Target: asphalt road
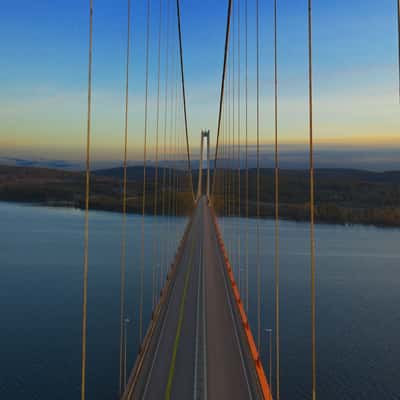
198	350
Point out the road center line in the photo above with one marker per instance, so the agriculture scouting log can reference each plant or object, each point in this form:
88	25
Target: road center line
179	327
160	335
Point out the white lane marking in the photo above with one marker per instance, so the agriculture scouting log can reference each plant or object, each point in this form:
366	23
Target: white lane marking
204	320
233	319
162	332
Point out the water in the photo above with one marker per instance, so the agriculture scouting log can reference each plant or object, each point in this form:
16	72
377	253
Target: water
41	258
41	253
358	313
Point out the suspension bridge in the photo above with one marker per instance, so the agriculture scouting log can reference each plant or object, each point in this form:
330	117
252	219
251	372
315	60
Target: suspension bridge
198	341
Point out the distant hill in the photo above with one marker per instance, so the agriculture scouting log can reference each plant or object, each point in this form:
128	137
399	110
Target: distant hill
65	188
134	173
341	196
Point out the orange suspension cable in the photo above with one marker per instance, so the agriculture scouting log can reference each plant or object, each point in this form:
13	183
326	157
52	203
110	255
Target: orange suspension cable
87	190
164	178
184	95
224	156
144	172
258	176
246	156
170	169
228	140
176	167
398	35
122	354
232	156
226	50
312	212
155	206
277	321
238	152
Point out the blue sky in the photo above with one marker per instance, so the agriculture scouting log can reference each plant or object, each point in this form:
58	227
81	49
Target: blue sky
43	73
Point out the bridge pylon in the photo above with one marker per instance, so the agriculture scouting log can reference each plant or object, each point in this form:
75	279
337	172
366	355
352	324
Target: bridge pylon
204	135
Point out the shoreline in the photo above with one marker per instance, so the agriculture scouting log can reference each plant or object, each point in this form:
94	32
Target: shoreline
343	197
64	205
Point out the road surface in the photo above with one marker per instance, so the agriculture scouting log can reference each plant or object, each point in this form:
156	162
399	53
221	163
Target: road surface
198	348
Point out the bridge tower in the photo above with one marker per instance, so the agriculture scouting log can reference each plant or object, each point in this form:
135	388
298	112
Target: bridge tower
204	135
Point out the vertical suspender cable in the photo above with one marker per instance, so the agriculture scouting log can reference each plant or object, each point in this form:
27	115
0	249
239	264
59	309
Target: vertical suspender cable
233	131
155	243
227	135
173	153
312	234
144	172
224	157
87	189
220	193
239	170
180	174
221	97
176	169
170	170
277	322
258	175
398	35
122	354
230	141
184	96
246	156
164	179
224	161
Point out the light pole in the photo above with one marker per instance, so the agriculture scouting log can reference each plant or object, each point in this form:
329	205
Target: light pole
269	333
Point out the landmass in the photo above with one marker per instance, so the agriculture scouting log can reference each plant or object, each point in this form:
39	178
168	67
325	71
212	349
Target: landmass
343	196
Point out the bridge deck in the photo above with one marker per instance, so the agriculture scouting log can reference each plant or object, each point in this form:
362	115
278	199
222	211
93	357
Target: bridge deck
197	348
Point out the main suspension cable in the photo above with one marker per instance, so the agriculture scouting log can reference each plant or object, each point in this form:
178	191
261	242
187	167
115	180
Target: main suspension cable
221	98
184	96
87	193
